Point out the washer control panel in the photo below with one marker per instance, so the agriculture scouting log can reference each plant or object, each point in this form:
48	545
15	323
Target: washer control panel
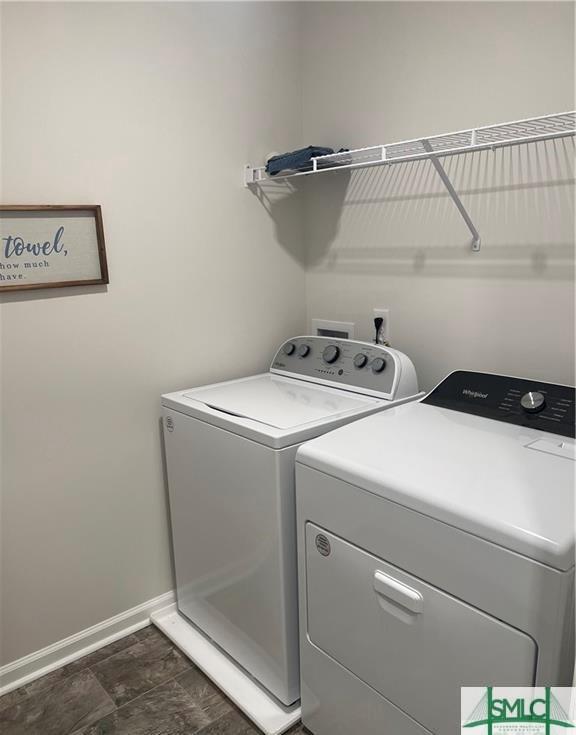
545	406
350	364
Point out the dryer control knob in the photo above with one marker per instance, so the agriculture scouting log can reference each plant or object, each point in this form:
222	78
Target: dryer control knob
304	350
378	365
331	354
289	348
360	360
533	402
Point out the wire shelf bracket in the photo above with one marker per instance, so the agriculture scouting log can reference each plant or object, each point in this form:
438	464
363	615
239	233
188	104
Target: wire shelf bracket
441	171
433	148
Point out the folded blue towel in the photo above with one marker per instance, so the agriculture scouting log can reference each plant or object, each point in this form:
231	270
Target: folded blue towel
300	160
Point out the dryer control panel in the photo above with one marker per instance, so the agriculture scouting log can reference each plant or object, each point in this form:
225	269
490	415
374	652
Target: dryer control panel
545	406
359	366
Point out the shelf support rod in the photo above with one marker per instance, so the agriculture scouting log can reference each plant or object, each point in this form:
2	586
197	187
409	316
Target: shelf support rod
453	193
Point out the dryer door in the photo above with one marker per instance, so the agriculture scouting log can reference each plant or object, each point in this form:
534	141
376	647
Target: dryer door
411	642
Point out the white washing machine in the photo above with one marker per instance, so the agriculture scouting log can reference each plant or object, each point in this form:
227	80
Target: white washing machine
436	550
230	450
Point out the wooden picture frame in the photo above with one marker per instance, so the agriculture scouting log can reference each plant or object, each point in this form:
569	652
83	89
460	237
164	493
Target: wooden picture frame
51	246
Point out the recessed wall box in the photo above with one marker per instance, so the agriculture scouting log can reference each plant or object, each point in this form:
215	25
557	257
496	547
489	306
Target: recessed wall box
327	328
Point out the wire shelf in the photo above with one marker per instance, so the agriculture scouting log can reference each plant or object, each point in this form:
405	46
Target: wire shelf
433	148
493	136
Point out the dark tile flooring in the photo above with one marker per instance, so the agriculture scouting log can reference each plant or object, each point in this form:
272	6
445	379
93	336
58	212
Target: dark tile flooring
139	685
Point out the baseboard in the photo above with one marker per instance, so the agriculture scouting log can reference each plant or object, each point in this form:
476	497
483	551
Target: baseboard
37	664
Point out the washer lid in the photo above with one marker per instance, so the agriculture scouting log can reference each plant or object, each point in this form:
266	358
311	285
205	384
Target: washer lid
279	402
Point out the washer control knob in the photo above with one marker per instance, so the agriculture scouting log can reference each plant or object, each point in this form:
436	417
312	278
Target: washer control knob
289	348
533	402
331	354
304	350
378	364
360	360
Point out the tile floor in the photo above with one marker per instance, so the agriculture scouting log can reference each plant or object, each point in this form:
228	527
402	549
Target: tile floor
139	685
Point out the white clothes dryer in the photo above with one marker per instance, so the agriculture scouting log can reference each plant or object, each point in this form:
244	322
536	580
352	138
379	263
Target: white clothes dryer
230	450
436	550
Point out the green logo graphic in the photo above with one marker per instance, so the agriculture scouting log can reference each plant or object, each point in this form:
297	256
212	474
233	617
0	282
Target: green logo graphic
539	714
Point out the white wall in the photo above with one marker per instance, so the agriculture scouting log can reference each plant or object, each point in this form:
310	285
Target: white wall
380	72
150	110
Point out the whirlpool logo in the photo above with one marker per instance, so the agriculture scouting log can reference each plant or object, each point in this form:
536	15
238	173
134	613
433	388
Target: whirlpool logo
473	393
517	710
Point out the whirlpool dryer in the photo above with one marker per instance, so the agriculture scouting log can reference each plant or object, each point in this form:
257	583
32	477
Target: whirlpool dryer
230	451
436	550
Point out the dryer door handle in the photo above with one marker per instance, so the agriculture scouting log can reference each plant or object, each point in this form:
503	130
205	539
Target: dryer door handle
398	592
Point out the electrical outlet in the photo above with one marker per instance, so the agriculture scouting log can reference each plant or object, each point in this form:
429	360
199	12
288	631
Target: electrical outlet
385	329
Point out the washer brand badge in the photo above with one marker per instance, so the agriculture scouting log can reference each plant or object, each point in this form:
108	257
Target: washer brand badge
517	710
169	423
322	544
473	393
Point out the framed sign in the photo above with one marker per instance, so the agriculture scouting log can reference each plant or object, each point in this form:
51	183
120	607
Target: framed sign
51	246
